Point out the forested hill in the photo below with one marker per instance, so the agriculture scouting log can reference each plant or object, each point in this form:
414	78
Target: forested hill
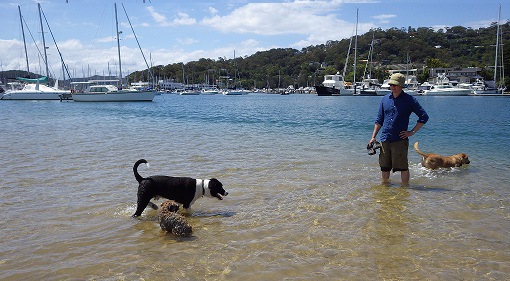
393	48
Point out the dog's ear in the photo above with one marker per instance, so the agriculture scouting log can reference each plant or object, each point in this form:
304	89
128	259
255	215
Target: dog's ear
215	182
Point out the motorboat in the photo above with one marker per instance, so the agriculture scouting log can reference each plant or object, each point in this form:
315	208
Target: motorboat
481	87
190	92
333	85
211	91
444	87
34	92
110	93
234	92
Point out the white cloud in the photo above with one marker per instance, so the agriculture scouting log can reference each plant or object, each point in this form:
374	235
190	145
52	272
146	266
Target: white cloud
311	18
212	11
186	41
384	18
182	19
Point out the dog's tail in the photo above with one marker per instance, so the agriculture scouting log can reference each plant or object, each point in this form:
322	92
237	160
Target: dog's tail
135	170
419	151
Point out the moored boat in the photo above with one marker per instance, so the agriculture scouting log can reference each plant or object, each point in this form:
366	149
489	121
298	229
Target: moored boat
233	92
333	85
34	92
110	93
443	87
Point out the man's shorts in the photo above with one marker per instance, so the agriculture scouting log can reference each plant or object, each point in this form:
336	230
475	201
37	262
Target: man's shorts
393	156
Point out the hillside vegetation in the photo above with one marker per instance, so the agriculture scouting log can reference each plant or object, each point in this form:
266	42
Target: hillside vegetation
394	48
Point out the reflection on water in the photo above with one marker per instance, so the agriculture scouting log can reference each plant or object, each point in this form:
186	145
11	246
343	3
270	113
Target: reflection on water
392	232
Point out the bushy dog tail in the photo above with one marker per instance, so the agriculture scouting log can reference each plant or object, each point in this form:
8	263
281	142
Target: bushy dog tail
135	170
419	151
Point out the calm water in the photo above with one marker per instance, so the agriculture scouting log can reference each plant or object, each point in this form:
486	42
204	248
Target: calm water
305	198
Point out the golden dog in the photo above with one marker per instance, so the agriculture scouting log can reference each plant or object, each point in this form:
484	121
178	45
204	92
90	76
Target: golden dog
434	161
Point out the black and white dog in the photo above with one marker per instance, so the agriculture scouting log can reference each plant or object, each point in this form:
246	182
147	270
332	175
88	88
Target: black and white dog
182	190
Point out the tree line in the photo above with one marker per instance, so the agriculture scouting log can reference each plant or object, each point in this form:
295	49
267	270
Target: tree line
419	48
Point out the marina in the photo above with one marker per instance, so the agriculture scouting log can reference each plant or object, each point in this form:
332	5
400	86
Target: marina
305	199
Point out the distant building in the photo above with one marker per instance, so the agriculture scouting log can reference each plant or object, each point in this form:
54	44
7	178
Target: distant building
170	85
461	75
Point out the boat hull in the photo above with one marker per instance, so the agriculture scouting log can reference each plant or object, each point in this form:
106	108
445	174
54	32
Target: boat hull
115	96
234	93
327	91
457	92
383	92
32	96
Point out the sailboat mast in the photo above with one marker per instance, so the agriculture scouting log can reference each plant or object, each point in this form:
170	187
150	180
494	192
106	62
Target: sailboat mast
497	46
355	51
24	42
44	42
118	43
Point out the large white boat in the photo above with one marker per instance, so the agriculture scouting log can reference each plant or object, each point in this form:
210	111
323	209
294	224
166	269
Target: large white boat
481	87
34	92
101	93
333	85
443	87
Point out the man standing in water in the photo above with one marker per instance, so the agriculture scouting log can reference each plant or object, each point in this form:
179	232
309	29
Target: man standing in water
393	118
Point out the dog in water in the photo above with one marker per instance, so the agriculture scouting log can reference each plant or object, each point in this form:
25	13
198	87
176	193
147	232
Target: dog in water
171	221
434	161
182	190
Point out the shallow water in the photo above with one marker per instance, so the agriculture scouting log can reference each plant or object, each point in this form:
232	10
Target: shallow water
305	199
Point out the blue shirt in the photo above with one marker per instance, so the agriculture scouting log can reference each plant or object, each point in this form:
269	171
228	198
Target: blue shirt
394	115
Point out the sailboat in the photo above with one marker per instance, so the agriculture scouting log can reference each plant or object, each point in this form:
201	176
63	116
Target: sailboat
481	87
234	91
369	85
34	89
98	92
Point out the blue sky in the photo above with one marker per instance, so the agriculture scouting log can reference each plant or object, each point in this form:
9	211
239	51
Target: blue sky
182	31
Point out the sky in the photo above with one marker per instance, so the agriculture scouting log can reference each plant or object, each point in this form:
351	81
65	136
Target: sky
174	31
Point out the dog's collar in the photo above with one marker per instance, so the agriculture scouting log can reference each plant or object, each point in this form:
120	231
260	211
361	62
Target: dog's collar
200	189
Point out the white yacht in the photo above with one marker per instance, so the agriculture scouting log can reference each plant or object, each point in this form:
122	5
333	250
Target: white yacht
34	92
443	87
333	85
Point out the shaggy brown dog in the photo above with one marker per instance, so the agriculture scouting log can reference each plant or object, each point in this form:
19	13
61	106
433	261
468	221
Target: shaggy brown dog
172	222
434	161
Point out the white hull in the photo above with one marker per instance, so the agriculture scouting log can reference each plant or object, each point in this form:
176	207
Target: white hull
34	92
19	95
234	93
488	92
189	93
209	92
447	92
383	92
115	96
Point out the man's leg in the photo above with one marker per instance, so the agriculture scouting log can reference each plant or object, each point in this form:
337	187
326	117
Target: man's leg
385	176
405	175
